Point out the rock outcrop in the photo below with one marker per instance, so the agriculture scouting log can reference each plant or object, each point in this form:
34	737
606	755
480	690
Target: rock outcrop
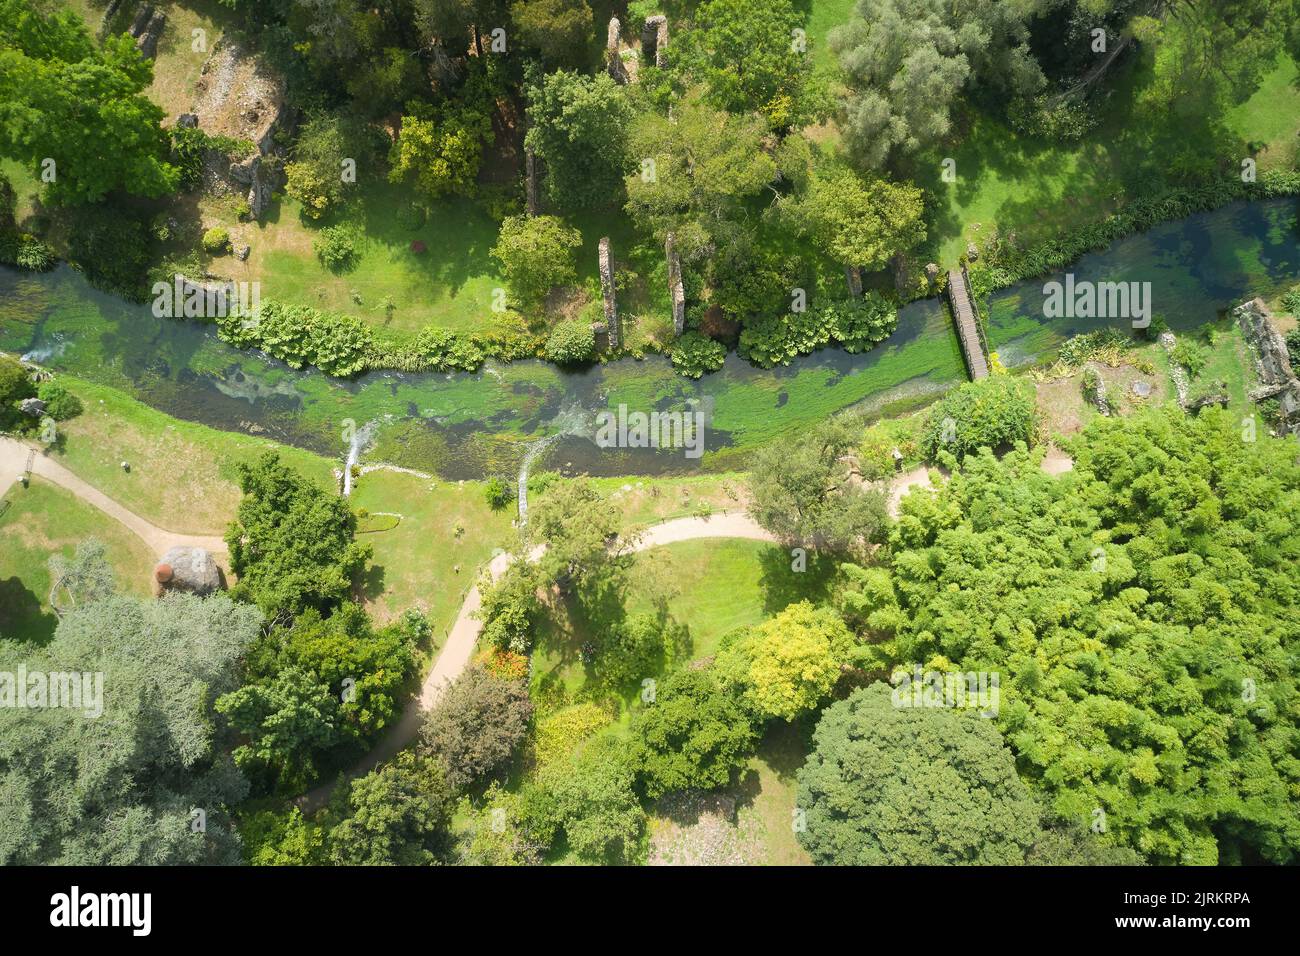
187	569
1277	378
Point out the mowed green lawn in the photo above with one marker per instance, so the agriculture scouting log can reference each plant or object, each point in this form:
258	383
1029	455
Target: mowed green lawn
43	520
424	562
710	585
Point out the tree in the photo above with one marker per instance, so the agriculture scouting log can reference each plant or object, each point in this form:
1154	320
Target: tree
439	147
560	30
1140	611
577	527
536	255
802	491
592	801
571	342
363	667
64	99
744	52
857	223
692	735
910	786
694	171
289	720
315	175
84	578
789	663
578	127
398	815
994	412
477	725
907	61
120	788
291	543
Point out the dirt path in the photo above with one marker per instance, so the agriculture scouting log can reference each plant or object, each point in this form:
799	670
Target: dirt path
463	636
13	461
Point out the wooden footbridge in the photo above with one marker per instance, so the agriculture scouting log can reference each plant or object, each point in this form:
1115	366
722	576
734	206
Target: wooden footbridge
964	316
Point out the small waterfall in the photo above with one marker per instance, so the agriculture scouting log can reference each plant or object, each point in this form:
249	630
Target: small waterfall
572	420
360	439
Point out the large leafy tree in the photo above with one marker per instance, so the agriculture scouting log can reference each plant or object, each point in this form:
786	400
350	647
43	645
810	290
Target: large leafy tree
907	62
291	542
561	31
857	222
694	170
578	126
694	733
476	727
912	787
789	663
536	255
287	721
63	98
803	490
439	148
120	788
746	54
1142	611
592	801
398	815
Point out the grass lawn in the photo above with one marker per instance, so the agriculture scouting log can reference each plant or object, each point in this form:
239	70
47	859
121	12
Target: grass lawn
42	520
182	475
177	63
710	585
415	563
646	501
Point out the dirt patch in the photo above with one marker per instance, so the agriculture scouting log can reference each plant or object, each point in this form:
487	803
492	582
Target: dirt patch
701	829
1064	410
237	95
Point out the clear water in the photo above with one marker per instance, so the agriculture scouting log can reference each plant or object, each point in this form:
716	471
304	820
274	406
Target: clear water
467	425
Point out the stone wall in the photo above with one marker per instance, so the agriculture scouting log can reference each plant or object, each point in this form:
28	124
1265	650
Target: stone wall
607	291
676	290
654	40
1272	363
613	57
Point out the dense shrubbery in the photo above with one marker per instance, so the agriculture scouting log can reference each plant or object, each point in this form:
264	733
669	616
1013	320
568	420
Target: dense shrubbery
60	404
338	247
1141	612
994	412
216	241
861	324
694	354
571	342
299	335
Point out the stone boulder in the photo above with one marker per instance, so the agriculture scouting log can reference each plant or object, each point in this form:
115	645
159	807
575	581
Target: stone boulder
193	570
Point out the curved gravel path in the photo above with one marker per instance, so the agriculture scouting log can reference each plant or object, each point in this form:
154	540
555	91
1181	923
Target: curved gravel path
13	459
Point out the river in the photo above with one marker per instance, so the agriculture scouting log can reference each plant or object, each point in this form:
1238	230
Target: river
466	425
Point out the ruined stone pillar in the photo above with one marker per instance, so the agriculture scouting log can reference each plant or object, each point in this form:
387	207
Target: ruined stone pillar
613	60
654	39
675	288
854	278
530	164
607	290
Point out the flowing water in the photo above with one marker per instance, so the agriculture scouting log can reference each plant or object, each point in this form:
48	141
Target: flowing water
493	421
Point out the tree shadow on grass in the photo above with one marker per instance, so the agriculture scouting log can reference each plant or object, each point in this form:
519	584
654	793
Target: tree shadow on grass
21	616
782	584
